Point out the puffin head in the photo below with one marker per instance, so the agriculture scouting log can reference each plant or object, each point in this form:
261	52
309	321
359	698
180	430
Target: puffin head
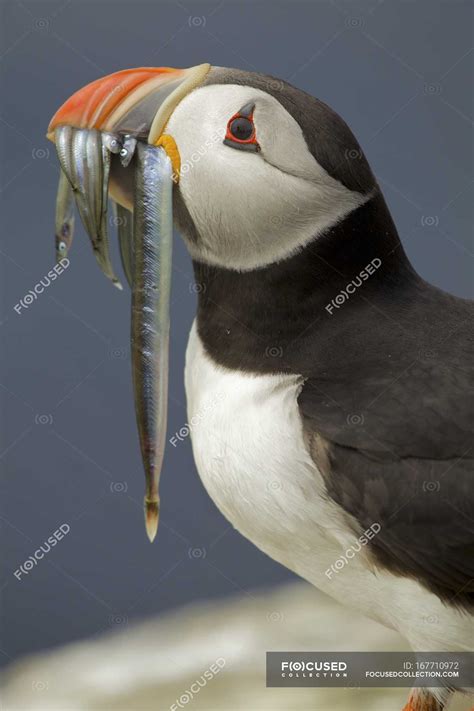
260	167
264	169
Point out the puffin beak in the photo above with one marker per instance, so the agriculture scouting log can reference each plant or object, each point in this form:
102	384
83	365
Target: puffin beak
136	102
120	119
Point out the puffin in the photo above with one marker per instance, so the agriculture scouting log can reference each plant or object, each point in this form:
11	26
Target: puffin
327	383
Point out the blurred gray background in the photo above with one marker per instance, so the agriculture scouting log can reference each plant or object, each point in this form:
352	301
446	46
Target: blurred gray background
399	72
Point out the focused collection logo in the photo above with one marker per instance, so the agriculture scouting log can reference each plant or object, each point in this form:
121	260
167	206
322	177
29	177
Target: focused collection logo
313	668
368	669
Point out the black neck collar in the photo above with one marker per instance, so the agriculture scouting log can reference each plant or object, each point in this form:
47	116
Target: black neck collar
264	320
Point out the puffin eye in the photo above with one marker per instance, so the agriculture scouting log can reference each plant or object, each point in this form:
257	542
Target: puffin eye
241	131
241	128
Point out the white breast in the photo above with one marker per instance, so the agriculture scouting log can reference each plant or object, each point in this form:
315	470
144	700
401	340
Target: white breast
248	446
249	450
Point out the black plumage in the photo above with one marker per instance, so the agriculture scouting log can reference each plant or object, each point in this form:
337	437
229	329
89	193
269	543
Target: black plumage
386	400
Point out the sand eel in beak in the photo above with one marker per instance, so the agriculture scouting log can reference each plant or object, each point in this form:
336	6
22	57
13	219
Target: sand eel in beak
85	161
337	423
64	232
123	219
114	126
151	284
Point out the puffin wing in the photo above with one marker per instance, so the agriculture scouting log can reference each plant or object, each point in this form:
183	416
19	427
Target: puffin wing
396	449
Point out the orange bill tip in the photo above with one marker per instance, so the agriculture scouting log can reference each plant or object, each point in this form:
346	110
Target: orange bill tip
129	100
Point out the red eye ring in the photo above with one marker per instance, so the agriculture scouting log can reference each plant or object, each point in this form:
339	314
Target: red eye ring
241	132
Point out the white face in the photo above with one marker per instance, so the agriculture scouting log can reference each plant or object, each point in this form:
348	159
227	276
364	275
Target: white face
251	208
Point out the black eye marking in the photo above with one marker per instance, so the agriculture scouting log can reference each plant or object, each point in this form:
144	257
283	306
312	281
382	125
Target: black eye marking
247	110
241	131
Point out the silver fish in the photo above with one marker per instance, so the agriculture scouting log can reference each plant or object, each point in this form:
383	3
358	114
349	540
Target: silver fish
111	140
146	247
152	247
85	159
64	227
124	220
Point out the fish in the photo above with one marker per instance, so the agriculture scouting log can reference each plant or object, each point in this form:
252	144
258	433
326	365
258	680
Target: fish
85	159
111	143
123	219
64	227
151	285
145	239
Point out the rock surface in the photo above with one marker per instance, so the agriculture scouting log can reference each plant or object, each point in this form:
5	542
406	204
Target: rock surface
152	665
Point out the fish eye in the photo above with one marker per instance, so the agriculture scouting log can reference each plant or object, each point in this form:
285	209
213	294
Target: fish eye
62	246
